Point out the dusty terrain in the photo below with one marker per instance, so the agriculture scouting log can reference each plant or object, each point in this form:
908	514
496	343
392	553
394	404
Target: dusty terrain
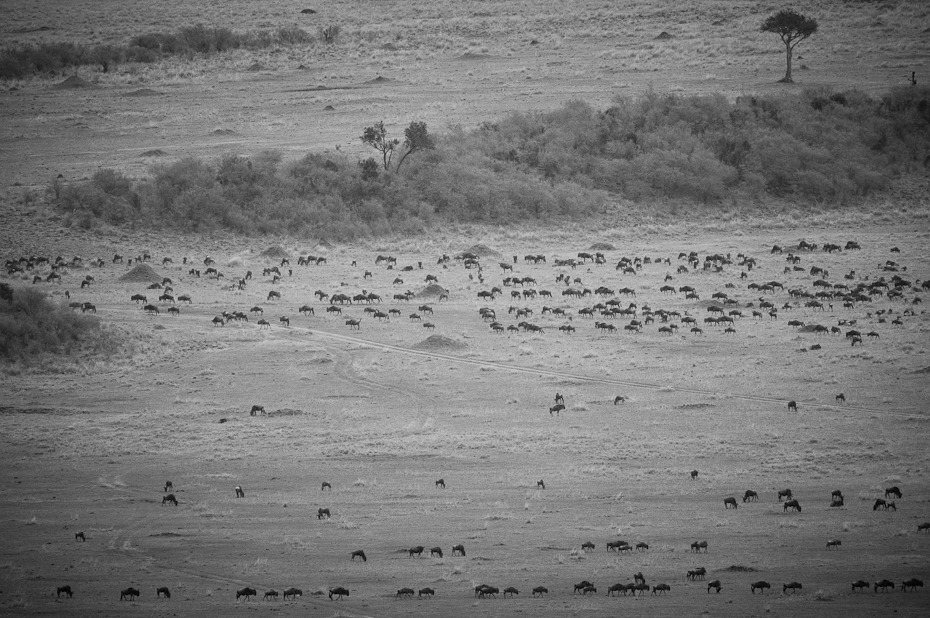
383	412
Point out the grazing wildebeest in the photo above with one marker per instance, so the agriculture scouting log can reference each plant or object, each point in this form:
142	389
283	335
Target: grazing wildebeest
264	324
185	298
271	593
79	537
580	586
884	585
893	492
728	502
128	593
587	545
859	584
616	588
642	588
760	585
321	513
750	496
487	591
326	486
696	574
616	545
441	483
642	546
793	587
169	498
836	502
793	504
924	527
912	583
139	298
715	585
272	295
174	311
834	544
784	493
458	549
792	406
879	503
557	408
661	588
511	591
358	553
639	578
257	409
619	399
404	592
218	321
426	592
540	484
841	398
415	551
293	593
356	324
540	590
694	474
338	593
559	398
239	492
436	551
64	590
589	590
697	546
837	494
163	591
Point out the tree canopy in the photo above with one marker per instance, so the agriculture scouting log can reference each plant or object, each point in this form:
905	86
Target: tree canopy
792	27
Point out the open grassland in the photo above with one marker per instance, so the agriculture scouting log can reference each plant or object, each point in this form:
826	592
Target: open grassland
383	412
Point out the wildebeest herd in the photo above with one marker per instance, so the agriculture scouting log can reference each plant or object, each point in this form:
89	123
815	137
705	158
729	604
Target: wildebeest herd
588	297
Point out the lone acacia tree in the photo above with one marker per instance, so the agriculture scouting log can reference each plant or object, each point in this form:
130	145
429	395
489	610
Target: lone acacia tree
416	137
793	28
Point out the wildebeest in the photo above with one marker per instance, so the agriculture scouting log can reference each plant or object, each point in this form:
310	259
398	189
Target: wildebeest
792	504
661	588
441	483
859	584
750	496
163	591
485	590
793	587
540	484
128	593
79	536
293	593
792	406
715	585
642	546
404	592
358	553
694	474
619	399
587	545
218	321
834	543
64	590
271	593
151	309
286	321
353	323
893	492
728	502
169	498
338	592
321	513
581	586
884	585
540	590
272	295
784	493
912	583
139	298
697	546
616	545
557	408
415	551
426	592
458	549
257	409
879	503
511	591
616	588
841	398
436	551
246	593
760	585
696	574
924	527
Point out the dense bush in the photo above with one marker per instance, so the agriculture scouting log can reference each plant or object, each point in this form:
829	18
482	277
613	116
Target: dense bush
829	148
32	326
19	62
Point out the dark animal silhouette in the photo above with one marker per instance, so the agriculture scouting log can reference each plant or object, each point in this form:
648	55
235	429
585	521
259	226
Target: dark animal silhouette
64	590
426	592
912	583
793	504
415	551
273	594
358	553
582	586
293	593
619	399
129	593
326	486
163	591
441	483
792	406
793	587
511	591
169	498
321	513
559	398
697	546
239	492
458	549
715	585
728	502
79	536
694	474
924	527
404	592
834	543
750	496
540	590
661	588
784	493
859	585
540	484
338	592
760	585
257	409
436	551
884	585
557	408
893	492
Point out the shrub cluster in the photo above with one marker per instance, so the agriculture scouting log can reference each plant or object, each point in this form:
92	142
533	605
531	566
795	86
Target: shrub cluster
19	62
822	147
32	326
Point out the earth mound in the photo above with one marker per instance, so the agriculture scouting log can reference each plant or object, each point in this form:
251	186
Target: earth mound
482	250
472	56
222	132
72	83
379	80
329	108
142	273
664	36
602	246
143	92
157	152
431	291
275	252
255	67
440	343
737	568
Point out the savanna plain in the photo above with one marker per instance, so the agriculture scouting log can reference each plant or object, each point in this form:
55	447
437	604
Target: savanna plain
381	412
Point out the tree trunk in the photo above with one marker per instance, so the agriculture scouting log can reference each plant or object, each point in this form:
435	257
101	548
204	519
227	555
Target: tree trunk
788	54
